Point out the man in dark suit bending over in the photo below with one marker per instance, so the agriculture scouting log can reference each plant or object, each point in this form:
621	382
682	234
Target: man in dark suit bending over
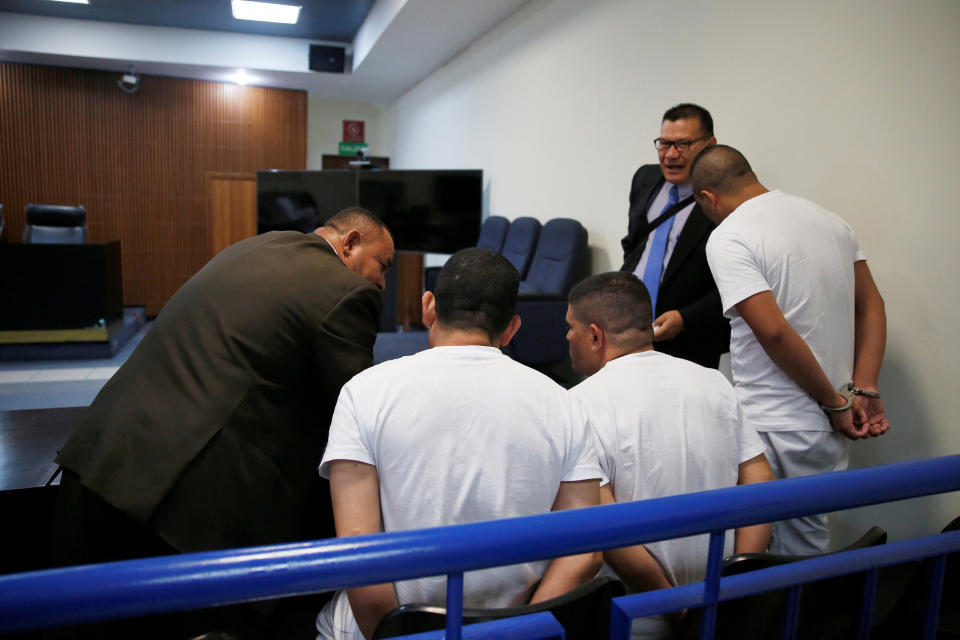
666	240
208	436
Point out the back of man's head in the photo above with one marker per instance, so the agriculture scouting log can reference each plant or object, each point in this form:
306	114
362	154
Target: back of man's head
721	169
618	303
688	110
477	289
356	218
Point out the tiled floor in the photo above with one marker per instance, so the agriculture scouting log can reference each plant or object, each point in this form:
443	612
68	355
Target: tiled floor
45	384
75	383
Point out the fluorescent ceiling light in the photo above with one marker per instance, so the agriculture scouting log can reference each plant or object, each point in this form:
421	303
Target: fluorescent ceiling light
74	1
241	77
266	11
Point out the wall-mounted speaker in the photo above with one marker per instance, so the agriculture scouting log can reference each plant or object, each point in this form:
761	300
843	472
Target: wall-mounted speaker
327	58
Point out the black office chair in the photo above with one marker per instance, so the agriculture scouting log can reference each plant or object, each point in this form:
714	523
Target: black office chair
828	608
584	613
904	588
55	224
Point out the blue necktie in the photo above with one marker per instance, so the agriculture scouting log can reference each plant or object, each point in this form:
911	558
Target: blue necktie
658	248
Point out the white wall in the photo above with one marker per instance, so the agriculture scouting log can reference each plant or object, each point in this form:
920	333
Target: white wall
852	104
325	127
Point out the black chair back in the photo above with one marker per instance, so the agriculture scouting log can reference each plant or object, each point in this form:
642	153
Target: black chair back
55	224
583	612
828	608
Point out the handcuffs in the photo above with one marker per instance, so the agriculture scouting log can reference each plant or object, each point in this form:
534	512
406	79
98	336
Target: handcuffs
847	392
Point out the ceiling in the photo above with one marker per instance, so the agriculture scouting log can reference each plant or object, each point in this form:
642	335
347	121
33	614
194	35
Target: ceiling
391	45
331	20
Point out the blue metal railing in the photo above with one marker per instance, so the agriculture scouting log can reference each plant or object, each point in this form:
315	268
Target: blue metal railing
78	595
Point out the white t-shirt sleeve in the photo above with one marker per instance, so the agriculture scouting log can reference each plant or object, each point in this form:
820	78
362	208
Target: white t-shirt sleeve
858	253
748	439
582	461
345	440
735	269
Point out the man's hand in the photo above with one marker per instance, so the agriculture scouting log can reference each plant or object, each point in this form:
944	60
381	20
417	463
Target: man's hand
843	422
667	325
869	413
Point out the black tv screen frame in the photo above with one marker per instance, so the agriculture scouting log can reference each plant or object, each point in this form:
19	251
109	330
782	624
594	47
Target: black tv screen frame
427	210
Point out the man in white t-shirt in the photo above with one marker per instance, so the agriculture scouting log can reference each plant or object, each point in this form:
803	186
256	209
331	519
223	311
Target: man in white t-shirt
665	426
808	327
458	433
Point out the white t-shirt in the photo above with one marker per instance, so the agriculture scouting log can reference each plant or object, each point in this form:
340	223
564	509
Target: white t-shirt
462	434
804	254
667	426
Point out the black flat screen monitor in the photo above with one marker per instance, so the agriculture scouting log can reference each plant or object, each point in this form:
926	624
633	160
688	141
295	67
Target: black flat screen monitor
302	200
432	211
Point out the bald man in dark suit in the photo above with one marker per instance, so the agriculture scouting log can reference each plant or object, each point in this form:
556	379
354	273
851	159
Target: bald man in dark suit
209	436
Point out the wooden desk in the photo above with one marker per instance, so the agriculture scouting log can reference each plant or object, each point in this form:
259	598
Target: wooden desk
29	441
59	286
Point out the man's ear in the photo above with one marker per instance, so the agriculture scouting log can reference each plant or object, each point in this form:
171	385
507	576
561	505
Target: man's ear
428	305
512	327
350	242
598	339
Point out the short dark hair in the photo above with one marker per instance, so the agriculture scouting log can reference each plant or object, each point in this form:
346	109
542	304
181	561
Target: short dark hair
357	218
477	289
689	110
720	168
617	302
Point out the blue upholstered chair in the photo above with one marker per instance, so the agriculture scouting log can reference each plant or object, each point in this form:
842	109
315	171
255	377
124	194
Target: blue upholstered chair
520	242
55	224
557	258
542	304
493	232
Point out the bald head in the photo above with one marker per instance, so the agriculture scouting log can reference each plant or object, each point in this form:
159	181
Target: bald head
722	180
721	169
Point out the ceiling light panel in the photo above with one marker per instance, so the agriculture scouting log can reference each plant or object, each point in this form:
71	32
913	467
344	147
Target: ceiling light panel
266	11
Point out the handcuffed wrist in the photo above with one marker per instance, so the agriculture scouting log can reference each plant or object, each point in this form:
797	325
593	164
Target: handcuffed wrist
847	396
859	391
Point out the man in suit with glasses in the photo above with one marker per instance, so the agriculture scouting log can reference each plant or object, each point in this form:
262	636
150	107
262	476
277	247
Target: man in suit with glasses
666	240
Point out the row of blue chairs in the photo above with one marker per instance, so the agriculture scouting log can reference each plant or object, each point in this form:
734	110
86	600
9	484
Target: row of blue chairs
549	257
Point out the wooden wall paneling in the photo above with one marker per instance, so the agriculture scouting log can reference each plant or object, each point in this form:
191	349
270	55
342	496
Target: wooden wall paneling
233	209
138	162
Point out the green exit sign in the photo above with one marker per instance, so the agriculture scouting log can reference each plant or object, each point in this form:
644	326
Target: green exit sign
351	148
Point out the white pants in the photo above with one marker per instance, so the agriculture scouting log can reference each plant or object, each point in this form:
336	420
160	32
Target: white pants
802	453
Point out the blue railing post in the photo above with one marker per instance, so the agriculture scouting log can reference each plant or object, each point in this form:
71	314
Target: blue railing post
86	594
931	618
454	606
791	614
620	623
711	586
866	604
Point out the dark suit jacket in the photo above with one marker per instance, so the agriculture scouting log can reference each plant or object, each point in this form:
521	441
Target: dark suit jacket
210	434
687	284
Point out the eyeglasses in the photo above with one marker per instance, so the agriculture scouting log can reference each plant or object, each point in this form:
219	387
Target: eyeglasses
663	145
